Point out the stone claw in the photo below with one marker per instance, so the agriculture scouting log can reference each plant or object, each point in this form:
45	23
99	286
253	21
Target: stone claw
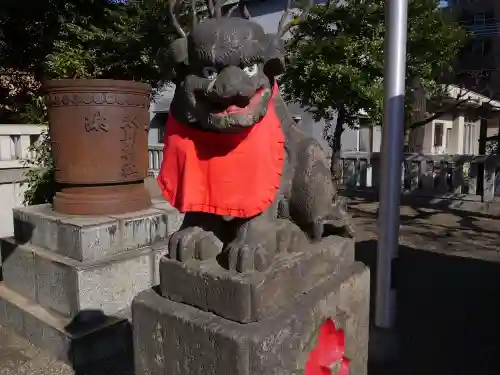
248	257
193	243
252	250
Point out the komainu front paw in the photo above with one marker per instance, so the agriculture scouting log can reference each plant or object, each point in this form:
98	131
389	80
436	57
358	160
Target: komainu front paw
253	248
193	243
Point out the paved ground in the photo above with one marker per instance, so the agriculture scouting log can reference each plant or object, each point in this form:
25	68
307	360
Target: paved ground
448	300
19	357
450	232
448	289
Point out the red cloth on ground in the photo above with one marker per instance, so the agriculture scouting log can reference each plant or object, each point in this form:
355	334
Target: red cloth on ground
225	174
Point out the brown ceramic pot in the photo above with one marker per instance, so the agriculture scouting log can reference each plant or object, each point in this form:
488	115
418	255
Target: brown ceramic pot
99	132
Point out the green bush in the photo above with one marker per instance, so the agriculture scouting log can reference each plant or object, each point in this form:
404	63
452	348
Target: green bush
40	176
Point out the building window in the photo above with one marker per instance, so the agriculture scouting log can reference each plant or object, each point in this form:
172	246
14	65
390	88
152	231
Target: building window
479	19
365	139
448	139
161	128
157	127
469	136
487	44
468	118
161	134
478	47
438	134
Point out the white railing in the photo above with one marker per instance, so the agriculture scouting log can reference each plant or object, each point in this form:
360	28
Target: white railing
155	156
15	140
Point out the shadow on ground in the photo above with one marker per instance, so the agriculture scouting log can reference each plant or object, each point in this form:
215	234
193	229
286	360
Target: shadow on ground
117	365
448	313
89	355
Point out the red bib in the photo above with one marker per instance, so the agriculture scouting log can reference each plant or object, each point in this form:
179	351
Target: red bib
234	175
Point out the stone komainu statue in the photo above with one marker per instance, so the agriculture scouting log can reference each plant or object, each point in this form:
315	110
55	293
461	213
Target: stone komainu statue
249	180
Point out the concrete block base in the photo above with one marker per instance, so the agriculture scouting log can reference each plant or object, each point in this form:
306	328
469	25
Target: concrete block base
66	279
68	286
74	342
178	339
87	238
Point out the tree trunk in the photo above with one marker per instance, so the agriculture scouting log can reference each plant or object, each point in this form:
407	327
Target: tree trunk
336	165
483	133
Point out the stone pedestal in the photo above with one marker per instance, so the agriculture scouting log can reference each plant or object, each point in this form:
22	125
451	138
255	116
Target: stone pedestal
204	320
68	281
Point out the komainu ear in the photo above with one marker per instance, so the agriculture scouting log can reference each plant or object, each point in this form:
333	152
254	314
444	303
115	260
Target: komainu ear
275	55
179	51
179	54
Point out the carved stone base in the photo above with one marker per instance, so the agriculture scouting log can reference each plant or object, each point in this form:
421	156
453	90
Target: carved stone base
177	338
252	296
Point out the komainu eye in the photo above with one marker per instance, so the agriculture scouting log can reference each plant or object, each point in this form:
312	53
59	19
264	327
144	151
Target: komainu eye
251	70
209	73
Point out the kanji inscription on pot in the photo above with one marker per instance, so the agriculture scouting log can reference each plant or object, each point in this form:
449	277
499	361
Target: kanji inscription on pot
129	157
94	122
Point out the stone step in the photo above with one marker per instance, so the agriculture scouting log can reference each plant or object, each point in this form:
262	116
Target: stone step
91	337
86	238
68	286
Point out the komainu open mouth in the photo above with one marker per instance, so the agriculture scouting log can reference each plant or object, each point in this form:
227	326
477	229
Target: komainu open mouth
260	96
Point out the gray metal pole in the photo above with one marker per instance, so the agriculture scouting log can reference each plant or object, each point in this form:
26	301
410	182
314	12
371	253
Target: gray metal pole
391	157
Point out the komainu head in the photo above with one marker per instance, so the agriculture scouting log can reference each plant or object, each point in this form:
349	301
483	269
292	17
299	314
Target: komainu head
225	69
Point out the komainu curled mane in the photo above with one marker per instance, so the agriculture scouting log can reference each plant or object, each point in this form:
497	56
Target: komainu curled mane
250	182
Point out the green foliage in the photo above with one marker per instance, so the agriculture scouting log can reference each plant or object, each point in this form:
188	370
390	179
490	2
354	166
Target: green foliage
40	176
50	39
113	41
336	58
88	39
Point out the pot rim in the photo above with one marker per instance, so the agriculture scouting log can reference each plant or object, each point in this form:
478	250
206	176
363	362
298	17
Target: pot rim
86	84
